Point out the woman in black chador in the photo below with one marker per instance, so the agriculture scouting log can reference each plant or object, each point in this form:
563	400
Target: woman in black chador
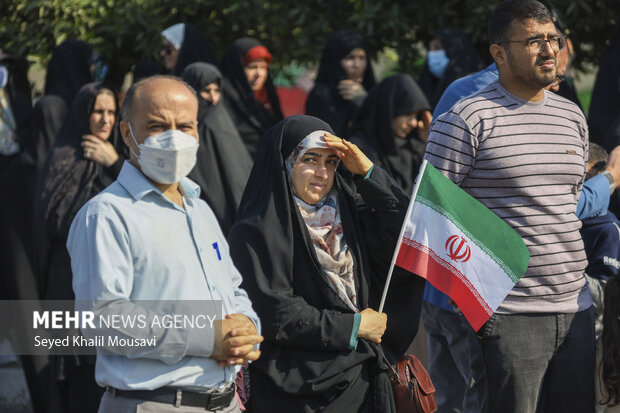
313	246
392	127
344	78
69	69
223	163
86	157
84	160
249	94
182	45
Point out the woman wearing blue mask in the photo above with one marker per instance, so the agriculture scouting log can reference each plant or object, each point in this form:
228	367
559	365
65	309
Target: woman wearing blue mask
450	56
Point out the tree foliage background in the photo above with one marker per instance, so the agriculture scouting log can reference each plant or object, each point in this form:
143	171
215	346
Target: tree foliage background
124	32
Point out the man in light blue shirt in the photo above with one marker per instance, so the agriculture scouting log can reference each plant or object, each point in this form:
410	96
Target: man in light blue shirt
144	239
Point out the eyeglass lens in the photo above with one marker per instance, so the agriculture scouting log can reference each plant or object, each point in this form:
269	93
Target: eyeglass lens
538	45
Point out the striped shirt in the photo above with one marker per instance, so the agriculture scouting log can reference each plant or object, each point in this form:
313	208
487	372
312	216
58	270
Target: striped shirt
526	162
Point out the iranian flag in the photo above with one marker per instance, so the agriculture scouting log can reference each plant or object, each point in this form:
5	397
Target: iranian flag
460	246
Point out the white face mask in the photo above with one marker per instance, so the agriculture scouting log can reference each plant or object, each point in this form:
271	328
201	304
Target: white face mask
167	157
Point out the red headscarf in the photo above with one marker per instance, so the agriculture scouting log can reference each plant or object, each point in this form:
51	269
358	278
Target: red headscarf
256	53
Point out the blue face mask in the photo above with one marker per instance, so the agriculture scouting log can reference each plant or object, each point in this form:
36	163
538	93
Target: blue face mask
437	62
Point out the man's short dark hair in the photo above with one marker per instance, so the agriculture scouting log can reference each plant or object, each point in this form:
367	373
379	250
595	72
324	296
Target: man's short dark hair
519	10
598	158
130	96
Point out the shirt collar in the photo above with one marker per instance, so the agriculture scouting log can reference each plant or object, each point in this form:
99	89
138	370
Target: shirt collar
189	188
138	185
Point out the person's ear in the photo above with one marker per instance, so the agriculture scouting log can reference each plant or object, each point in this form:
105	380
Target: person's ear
125	133
498	53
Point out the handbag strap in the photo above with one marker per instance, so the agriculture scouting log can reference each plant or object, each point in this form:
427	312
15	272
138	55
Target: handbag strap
394	373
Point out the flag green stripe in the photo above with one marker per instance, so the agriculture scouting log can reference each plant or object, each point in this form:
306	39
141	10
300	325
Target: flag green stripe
503	244
514	277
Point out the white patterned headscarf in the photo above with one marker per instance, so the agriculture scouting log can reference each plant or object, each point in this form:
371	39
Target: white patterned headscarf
175	34
324	225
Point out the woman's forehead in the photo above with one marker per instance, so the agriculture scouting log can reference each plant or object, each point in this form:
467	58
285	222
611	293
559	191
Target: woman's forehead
322	152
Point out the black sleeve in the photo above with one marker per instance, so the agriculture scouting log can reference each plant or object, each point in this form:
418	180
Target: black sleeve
384	197
382	214
116	167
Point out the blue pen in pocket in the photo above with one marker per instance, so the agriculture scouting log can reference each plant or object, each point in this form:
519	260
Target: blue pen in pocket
217	249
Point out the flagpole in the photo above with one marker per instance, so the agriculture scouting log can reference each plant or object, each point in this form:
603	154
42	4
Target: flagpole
402	231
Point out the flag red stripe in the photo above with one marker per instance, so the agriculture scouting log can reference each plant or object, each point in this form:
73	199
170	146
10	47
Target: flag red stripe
421	260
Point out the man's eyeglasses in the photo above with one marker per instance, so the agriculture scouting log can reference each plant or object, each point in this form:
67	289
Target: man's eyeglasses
536	46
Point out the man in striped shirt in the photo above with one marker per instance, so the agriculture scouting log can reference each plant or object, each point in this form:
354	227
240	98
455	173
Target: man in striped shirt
521	151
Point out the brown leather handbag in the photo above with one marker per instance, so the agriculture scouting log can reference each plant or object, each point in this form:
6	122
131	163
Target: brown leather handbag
413	389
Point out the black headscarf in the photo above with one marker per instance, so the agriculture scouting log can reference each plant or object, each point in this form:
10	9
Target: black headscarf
324	101
147	68
300	314
67	182
223	162
48	115
68	70
463	60
248	114
195	48
604	114
372	132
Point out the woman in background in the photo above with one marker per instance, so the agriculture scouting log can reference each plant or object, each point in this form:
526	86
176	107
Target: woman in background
344	78
223	163
69	69
85	159
450	56
183	44
392	127
249	93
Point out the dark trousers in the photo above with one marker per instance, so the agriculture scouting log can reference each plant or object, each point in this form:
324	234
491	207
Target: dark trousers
455	362
540	362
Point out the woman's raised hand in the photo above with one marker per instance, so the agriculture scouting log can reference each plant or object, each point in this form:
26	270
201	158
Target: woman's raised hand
350	155
350	89
424	124
99	151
